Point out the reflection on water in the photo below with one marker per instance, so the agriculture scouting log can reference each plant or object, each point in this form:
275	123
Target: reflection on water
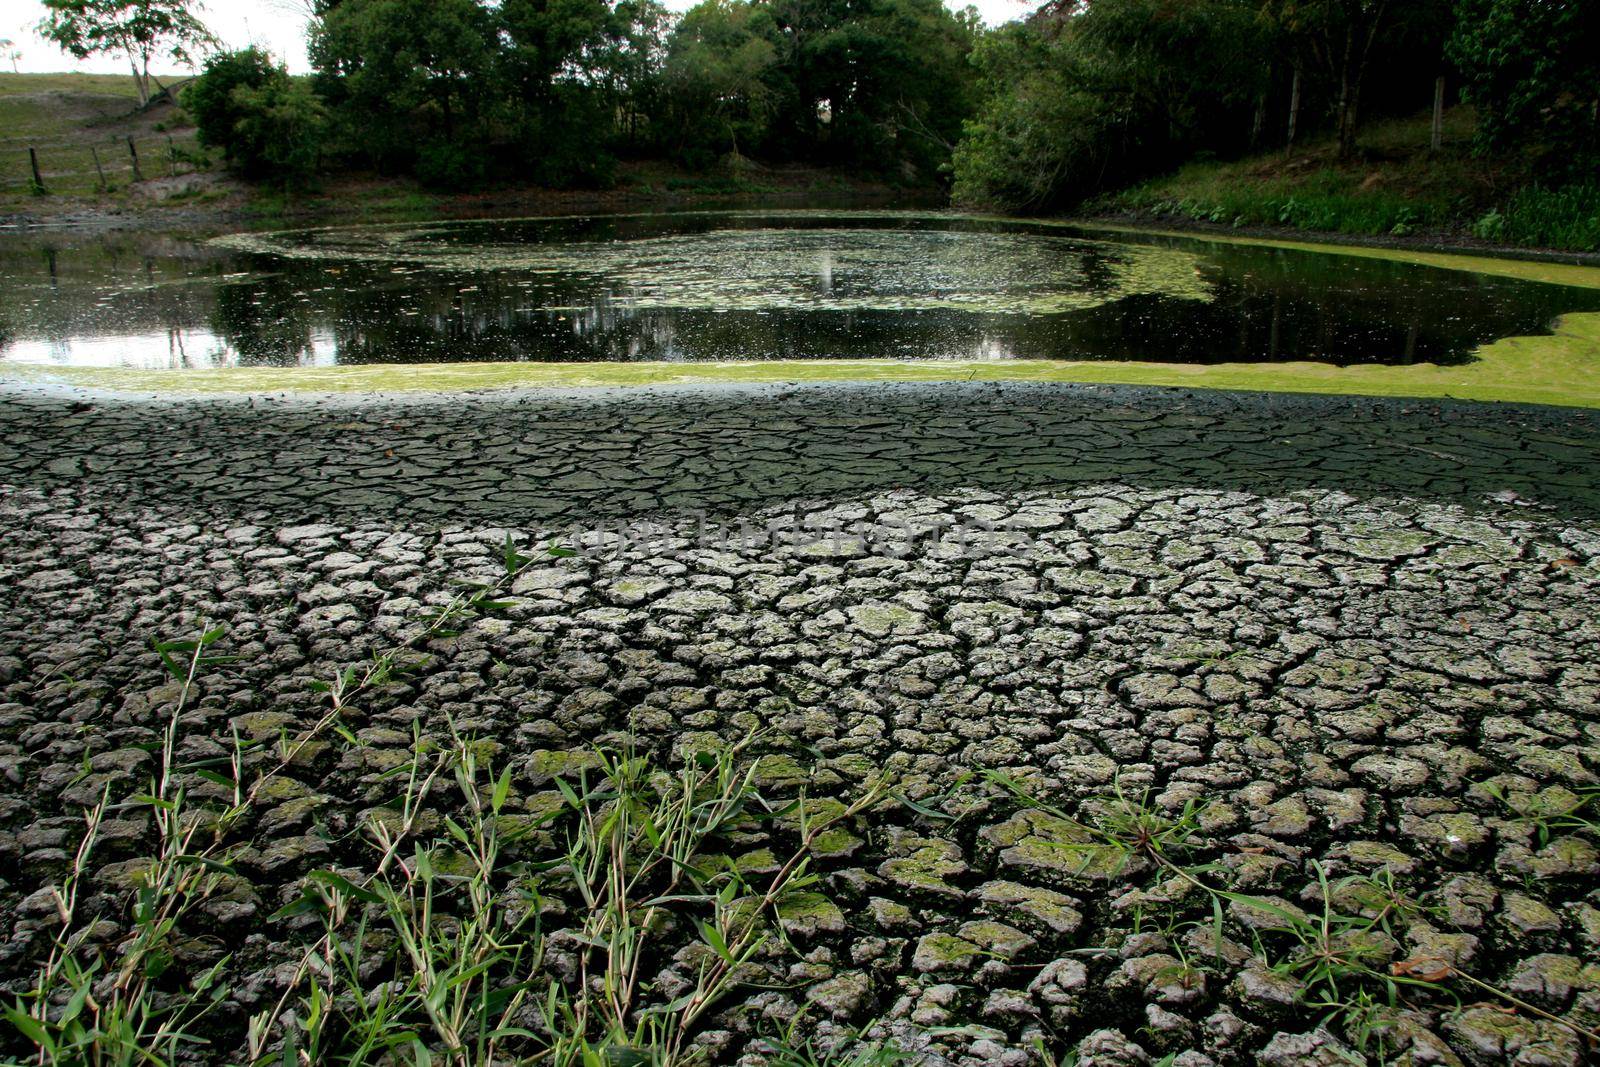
731	287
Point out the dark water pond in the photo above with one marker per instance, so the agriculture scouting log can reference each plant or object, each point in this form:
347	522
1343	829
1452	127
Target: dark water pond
732	287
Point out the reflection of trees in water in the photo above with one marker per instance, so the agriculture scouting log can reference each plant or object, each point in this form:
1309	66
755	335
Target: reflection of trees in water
152	289
169	297
1287	304
1266	305
264	322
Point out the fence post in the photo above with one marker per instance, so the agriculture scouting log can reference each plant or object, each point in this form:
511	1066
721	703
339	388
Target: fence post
98	169
38	180
133	154
172	158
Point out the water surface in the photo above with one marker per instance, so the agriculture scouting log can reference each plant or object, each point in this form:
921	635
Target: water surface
735	286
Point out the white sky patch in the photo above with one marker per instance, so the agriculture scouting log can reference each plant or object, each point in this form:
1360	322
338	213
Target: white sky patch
279	26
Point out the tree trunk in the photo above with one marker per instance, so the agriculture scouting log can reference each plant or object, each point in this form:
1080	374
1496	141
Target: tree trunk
1294	111
140	86
1347	123
1437	141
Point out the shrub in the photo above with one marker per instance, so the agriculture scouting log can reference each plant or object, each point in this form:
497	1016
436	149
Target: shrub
280	130
1566	217
449	167
209	98
266	123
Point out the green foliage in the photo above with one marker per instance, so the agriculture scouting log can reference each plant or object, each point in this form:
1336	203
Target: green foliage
1300	209
449	910
789	1049
1553	811
1341	956
267	123
1339	38
1121	89
399	73
718	79
1533	70
140	30
280	129
464	91
209	98
874	84
1566	217
448	166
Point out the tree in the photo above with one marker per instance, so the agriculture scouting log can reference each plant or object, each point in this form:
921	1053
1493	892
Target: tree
404	73
629	69
1339	37
9	49
1532	68
873	83
555	55
141	30
718	59
1086	96
546	39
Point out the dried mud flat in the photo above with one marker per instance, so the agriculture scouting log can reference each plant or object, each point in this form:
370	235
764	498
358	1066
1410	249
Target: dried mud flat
1359	636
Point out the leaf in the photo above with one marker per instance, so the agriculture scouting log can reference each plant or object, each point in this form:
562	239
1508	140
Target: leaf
697	873
718	943
923	810
203	861
344	885
514	560
1422	968
75	1003
502	790
31	1028
568	794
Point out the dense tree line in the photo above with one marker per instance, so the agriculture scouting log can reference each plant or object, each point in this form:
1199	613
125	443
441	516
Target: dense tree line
1088	95
1080	97
461	92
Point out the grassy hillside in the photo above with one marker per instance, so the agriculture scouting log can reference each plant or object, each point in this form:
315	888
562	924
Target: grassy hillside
1396	186
68	119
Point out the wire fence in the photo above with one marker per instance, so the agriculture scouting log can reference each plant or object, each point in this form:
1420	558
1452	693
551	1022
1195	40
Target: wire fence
101	165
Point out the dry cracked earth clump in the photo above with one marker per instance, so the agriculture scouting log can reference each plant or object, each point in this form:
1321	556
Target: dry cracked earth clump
1165	685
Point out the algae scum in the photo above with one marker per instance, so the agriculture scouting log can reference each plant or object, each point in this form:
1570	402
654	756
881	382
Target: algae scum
736	287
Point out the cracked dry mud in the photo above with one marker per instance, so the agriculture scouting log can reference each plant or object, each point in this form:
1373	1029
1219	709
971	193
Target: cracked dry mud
1341	626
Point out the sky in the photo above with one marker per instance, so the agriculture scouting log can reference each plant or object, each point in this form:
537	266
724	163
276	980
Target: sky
277	25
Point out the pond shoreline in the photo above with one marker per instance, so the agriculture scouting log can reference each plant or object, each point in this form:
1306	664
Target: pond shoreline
244	205
792	191
1445	242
